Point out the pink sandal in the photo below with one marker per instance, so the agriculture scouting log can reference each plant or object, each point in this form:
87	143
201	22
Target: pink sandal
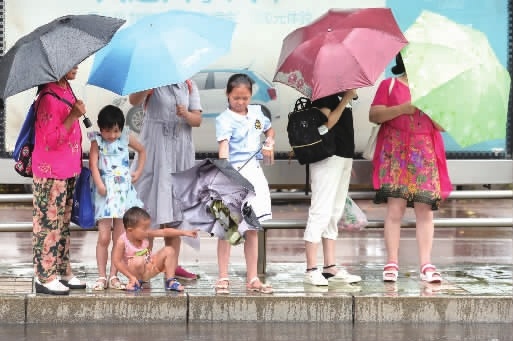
429	274
390	272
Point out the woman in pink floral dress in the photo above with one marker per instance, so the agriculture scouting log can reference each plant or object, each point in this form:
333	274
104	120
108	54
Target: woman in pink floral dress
56	162
410	170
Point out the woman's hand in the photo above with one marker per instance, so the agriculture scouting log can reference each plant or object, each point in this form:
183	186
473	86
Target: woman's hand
408	109
350	94
181	110
78	109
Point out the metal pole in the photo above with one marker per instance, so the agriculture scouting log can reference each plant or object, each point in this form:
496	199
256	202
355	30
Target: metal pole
300	195
300	224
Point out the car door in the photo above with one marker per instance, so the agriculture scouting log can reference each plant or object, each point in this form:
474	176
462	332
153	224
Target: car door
213	98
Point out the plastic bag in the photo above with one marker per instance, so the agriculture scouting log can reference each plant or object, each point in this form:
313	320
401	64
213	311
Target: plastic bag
353	218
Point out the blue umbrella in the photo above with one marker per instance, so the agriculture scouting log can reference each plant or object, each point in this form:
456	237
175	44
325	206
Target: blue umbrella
160	49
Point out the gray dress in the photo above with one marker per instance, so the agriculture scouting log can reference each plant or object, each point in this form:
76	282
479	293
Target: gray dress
169	148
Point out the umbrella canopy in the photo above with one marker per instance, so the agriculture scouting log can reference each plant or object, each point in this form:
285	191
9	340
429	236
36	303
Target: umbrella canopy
204	193
160	49
49	52
343	49
456	78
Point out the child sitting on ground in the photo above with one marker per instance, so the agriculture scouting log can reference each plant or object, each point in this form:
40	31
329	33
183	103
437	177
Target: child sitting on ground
133	258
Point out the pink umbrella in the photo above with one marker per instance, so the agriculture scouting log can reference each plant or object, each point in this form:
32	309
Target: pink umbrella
343	49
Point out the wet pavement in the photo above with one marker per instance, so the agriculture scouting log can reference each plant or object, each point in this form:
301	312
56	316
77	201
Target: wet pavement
476	264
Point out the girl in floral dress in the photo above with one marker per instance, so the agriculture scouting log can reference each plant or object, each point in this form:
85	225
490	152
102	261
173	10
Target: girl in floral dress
114	192
410	170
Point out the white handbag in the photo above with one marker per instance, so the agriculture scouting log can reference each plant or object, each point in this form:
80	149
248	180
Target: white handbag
370	147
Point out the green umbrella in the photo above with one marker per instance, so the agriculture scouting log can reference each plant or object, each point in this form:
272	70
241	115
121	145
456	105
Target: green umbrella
455	77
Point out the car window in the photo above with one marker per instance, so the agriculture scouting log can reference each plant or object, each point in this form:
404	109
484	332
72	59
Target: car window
221	78
200	79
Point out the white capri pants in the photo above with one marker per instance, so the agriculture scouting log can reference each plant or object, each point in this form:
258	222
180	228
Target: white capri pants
330	183
261	203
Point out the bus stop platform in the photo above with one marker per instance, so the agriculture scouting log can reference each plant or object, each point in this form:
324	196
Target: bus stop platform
475	262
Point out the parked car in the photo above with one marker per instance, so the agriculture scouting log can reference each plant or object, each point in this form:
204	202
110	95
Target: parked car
212	88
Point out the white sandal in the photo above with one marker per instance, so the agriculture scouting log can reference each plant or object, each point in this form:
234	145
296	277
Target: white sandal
390	272
118	285
222	286
100	284
432	276
262	288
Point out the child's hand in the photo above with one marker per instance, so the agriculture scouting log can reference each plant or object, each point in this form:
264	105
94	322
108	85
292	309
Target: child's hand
135	176
102	190
191	233
268	151
133	284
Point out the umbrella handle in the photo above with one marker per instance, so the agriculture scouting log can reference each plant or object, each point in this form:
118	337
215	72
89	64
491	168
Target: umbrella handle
252	156
87	122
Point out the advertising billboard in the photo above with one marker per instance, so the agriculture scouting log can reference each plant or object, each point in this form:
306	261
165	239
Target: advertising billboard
261	26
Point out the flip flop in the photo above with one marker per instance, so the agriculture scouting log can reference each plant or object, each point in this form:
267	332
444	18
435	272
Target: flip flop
172	284
137	286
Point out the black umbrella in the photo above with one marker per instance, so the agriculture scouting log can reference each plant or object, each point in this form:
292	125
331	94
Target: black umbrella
213	197
50	51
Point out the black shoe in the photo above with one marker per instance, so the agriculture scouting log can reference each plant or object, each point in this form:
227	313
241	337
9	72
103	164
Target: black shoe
327	275
51	288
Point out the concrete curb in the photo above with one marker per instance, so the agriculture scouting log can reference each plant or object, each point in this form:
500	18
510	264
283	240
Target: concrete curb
33	309
434	309
80	309
270	308
12	309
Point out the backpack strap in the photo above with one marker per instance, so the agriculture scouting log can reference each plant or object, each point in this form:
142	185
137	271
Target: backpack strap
64	100
38	99
30	119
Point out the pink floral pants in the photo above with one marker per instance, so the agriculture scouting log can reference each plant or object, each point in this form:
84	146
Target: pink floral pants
51	217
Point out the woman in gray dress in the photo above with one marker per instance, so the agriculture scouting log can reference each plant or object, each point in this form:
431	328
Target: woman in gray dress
170	113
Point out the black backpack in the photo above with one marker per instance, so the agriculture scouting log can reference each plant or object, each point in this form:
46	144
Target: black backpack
307	143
